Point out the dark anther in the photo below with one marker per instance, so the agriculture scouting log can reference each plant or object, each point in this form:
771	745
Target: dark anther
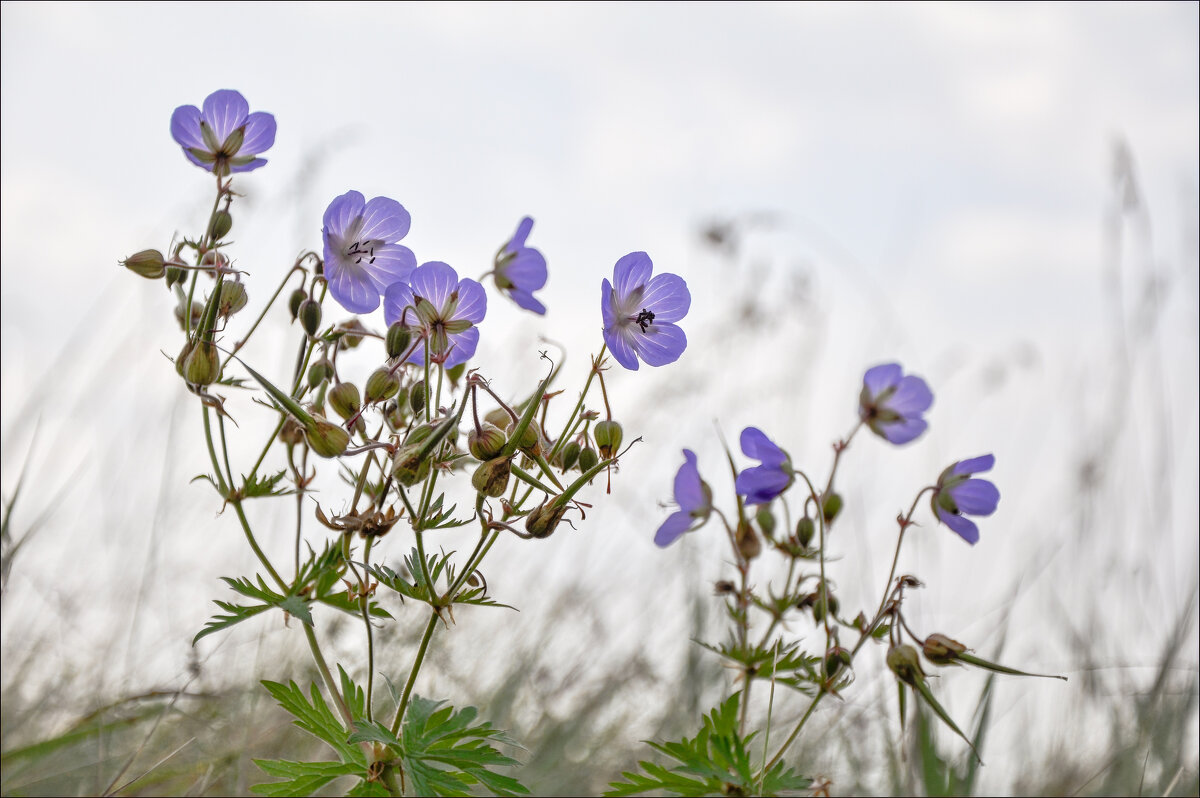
644	319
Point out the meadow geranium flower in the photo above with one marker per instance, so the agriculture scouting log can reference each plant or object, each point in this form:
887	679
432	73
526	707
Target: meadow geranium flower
442	309
958	494
694	498
640	312
362	257
521	270
224	137
764	482
891	404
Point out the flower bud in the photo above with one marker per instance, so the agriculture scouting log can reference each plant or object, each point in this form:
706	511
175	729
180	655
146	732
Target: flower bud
222	223
409	467
292	432
766	521
542	522
295	301
381	385
175	275
529	438
749	546
588	459
344	399
818	606
233	298
326	438
214	259
831	507
905	663
349	340
148	263
417	396
499	418
805	528
197	314
486	442
399	336
202	364
570	455
941	650
836	660
310	316
491	477
608	435
318	372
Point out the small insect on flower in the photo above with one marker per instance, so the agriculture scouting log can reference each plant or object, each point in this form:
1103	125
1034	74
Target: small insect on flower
224	137
640	312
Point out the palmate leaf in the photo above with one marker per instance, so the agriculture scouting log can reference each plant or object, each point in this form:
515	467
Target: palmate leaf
442	753
301	778
314	716
255	487
772	662
715	762
236	613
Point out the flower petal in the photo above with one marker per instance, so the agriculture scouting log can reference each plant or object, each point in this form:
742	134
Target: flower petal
343	212
672	528
667	296
761	484
975	465
527	270
434	281
756	444
975	497
880	378
351	286
608	309
526	300
225	111
964	527
248	167
392	263
462	346
517	242
396	298
385	220
911	398
630	272
185	127
260	133
472	301
902	431
620	344
660	344
689	494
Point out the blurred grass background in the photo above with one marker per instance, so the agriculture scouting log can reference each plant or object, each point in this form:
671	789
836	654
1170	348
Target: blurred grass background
840	186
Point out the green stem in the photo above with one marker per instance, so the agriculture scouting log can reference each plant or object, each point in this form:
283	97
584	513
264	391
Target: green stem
327	677
262	558
245	339
412	675
558	444
212	454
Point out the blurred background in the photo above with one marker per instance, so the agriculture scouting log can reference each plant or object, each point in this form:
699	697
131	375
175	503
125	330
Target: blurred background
1004	198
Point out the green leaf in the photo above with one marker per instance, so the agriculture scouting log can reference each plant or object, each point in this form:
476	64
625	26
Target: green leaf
715	761
302	778
442	753
254	487
236	613
314	716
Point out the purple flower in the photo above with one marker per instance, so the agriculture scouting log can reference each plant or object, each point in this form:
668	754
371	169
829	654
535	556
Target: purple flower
225	137
763	483
362	257
521	270
694	498
442	309
958	495
640	312
891	404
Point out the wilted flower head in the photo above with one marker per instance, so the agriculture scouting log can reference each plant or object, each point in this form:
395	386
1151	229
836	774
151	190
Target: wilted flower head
442	309
362	257
640	312
521	270
763	483
224	137
958	495
694	498
892	404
